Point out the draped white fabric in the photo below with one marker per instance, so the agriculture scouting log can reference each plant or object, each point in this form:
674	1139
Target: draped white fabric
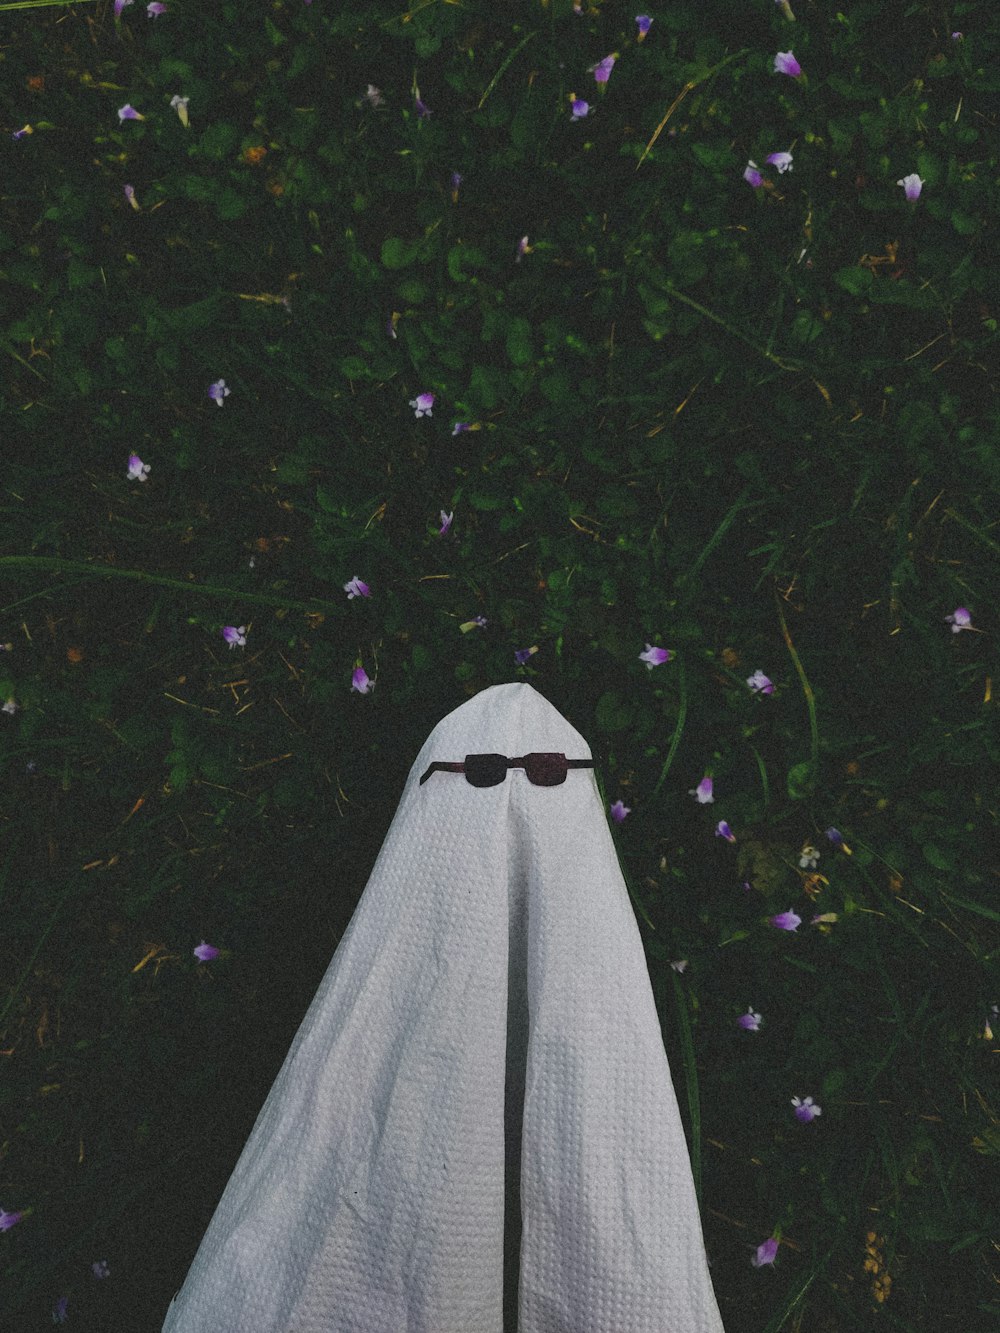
477	1101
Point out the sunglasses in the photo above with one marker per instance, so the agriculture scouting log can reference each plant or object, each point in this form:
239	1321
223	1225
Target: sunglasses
488	770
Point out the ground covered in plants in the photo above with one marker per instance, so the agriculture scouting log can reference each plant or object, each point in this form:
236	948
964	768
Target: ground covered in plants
359	357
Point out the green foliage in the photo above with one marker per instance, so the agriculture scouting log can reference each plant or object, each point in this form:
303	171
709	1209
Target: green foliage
757	426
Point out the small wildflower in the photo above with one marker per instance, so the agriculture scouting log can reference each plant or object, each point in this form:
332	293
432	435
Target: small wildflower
786	920
765	1253
206	952
155	9
808	857
356	588
602	70
643	22
654	656
783	161
749	1021
130	196
619	811
522	655
180	105
751	174
128	112
579	107
785	63
361	682
218	391
960	618
234	636
703	791
806	1110
722	830
137	469
373	97
423	404
445	522
759	683
912	184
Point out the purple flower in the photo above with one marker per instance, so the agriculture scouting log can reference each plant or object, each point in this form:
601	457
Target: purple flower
580	108
477	622
119	6
356	588
137	469
838	841
523	248
180	105
722	830
619	811
912	184
643	21
128	112
805	1110
130	196
100	1268
460	426
758	682
445	522
373	97
155	8
654	656
765	1253
361	682
59	1310
752	175
602	70
960	618
205	952
523	654
703	791
7	1220
234	636
785	63
423	404
218	391
19	134
750	1022
956	36
786	920
421	107
456	181
783	161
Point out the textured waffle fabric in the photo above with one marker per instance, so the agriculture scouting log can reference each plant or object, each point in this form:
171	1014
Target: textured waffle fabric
475	1128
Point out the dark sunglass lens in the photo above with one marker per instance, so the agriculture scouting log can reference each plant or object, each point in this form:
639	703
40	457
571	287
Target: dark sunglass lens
485	770
546	770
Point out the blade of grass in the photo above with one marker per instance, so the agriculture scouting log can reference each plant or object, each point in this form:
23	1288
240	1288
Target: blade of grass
675	739
806	690
500	72
691	1082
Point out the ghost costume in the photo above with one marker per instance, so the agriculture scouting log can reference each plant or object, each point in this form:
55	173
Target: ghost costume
475	1128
